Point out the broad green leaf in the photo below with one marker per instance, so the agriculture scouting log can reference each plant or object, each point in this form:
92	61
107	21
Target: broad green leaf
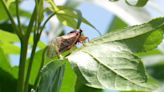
156	70
4	61
139	3
6	78
116	24
52	76
139	38
7	41
10	48
80	87
6	27
7	82
69	79
71	15
68	21
150	53
8	37
109	62
111	66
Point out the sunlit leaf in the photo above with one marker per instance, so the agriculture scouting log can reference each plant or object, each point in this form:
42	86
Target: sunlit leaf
109	62
8	37
139	38
71	14
116	24
10	48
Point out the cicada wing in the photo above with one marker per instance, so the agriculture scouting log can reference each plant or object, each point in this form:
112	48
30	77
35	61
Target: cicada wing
52	49
62	43
68	43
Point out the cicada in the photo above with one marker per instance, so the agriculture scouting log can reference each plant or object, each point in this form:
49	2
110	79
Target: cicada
66	42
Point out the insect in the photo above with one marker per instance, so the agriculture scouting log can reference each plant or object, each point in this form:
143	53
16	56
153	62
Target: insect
66	42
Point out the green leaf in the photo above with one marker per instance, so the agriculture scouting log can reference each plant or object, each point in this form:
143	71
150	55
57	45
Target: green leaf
140	3
4	62
156	70
12	9
8	37
8	82
109	62
71	15
69	79
7	41
111	66
139	38
116	24
150	53
68	21
35	66
6	27
10	48
52	76
80	87
6	78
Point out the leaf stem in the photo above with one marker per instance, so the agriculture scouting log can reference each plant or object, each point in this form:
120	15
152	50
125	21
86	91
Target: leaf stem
44	24
12	21
41	65
17	14
30	65
21	75
36	39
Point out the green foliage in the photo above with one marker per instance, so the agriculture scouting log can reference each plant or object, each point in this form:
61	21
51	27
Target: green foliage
12	9
113	54
6	79
116	24
156	70
107	62
52	76
69	16
69	79
80	87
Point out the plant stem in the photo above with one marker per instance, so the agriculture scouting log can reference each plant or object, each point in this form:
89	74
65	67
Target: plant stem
17	14
41	65
44	24
30	65
12	21
21	75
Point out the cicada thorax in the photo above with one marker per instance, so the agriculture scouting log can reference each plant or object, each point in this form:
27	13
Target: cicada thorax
66	42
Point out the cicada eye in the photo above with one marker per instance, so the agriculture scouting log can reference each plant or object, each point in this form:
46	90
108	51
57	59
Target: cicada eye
81	31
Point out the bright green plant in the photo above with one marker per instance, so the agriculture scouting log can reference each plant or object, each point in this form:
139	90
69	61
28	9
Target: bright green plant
110	61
